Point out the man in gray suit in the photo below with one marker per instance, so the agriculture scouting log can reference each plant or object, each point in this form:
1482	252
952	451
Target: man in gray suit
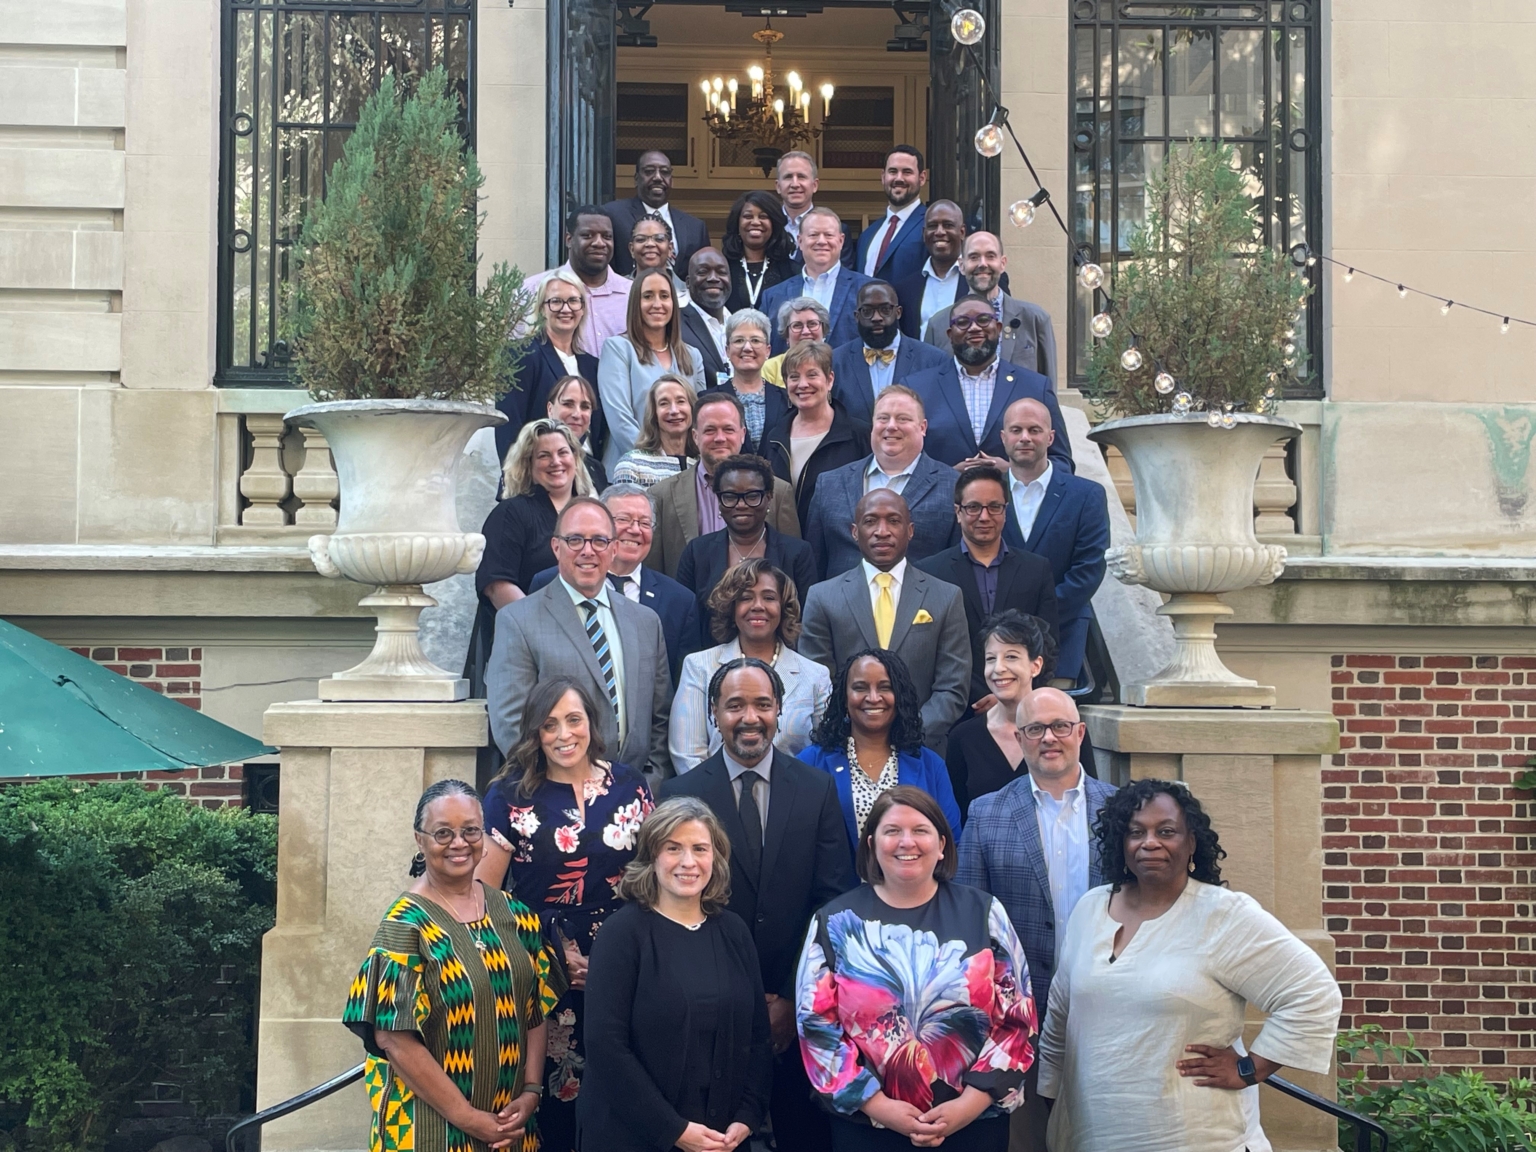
1027	339
577	626
887	603
897	462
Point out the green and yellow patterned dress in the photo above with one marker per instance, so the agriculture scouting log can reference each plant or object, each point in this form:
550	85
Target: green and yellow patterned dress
471	992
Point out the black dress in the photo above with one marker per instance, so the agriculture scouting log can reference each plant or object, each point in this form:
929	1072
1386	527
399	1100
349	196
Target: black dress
764	275
977	765
517	548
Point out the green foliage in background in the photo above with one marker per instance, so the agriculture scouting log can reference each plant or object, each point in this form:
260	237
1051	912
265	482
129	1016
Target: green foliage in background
130	932
1208	300
1453	1112
384	303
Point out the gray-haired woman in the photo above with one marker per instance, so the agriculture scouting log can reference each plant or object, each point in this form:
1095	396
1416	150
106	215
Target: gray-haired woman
747	337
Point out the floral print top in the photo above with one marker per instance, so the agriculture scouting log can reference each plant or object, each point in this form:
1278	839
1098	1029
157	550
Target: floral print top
918	1002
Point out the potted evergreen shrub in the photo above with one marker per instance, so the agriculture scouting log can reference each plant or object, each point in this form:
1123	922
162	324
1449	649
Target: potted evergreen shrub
1188	364
405	359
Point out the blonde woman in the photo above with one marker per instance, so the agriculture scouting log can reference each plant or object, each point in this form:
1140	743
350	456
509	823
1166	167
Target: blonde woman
559	324
665	445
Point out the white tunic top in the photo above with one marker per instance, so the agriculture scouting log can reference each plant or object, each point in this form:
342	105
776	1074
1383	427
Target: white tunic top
1114	1032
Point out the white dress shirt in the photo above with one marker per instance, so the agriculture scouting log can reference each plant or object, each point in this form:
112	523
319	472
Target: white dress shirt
882	376
898	574
615	645
977	391
1027	498
874	477
821	288
716	332
903	215
1064	843
939	292
629	584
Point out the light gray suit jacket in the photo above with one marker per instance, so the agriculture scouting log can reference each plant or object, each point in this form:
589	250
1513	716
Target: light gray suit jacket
542	635
839	621
1031	343
624	386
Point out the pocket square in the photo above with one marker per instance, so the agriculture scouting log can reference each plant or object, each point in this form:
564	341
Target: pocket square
922	617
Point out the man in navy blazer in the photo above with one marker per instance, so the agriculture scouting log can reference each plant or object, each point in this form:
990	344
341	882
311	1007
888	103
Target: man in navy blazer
823	278
892	247
939	282
1031	846
880	357
653	188
960	433
1062	517
898	462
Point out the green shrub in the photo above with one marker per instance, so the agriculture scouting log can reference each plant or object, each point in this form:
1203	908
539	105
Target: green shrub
384	303
1452	1112
130	931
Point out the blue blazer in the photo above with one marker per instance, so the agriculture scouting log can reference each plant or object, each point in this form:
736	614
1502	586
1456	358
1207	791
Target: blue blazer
844	326
1000	854
950	438
1071	531
925	770
906	255
930	496
534	374
909	294
851	381
669	600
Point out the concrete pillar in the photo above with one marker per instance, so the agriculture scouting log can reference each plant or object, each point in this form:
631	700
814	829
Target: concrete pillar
1259	775
351	776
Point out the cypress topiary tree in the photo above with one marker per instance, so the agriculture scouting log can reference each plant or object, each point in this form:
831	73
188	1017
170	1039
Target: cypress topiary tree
1206	300
384	303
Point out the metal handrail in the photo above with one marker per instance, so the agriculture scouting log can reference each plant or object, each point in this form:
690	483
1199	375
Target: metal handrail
292	1104
1365	1130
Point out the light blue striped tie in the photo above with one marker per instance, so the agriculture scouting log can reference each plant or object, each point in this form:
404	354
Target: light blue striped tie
600	647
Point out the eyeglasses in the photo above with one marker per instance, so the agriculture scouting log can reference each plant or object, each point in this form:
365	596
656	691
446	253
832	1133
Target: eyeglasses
445	836
644	241
574	542
1060	729
804	326
571	305
747	342
752	499
966	323
976	508
871	310
643	522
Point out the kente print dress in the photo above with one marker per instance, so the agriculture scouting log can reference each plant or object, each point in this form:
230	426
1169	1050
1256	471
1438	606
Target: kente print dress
918	1002
471	992
566	869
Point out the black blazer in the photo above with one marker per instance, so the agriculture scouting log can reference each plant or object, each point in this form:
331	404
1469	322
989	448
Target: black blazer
536	371
1024	581
706	558
776	406
805	857
846	441
775	272
689	234
635	1096
696	332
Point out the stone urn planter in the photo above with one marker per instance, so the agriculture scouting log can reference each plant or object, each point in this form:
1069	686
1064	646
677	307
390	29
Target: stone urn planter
397	530
1195	541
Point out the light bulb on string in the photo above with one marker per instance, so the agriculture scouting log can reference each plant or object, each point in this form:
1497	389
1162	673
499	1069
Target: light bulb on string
968	26
1090	276
1130	359
989	138
1182	403
1213	418
1022	212
1349	275
1504	327
1228	420
1445	309
1164	383
1101	325
1402	292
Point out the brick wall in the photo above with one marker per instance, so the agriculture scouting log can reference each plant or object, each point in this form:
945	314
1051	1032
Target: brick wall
1428	854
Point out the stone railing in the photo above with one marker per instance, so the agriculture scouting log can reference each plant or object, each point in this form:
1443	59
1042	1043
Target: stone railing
277	483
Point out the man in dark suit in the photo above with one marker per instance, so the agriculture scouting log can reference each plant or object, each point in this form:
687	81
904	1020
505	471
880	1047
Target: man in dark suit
823	279
1027	337
891	248
967	395
653	188
880	357
1059	516
898	462
1030	846
939	282
709	284
991	576
789	856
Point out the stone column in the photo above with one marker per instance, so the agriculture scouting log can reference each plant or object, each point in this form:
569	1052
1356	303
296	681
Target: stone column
1259	775
351	776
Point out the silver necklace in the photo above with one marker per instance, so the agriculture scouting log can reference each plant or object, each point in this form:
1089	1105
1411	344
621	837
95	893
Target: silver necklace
470	926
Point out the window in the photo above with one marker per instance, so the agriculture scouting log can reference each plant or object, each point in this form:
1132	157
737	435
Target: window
651	117
295	77
1151	76
862	130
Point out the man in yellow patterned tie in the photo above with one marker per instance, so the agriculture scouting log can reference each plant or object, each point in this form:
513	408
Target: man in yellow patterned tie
881	356
887	603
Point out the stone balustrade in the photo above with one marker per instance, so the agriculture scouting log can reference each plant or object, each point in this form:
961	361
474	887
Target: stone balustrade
277	482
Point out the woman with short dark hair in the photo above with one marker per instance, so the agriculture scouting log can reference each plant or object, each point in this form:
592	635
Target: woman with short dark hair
914	1006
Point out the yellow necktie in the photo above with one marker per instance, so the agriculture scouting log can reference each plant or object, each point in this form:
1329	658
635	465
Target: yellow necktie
885	609
884	355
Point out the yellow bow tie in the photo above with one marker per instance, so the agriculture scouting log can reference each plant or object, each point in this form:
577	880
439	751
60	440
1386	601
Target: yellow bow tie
884	355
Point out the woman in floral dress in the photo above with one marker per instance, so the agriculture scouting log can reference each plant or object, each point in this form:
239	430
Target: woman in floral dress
561	825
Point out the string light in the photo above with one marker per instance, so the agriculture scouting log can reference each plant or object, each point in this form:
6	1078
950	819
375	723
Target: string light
1101	325
967	26
1348	276
1130	359
1445	309
1163	382
1504	327
1402	293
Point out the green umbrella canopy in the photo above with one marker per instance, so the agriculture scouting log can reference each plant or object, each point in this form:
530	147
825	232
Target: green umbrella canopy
62	715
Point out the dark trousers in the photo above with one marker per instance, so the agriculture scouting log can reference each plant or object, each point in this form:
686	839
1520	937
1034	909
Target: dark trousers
990	1135
800	1123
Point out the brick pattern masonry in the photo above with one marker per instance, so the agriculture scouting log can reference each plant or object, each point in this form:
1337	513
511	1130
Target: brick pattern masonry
1427	881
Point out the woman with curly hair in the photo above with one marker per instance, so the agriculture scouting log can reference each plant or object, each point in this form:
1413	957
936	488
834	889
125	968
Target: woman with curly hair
871	739
758	246
753	611
1157	971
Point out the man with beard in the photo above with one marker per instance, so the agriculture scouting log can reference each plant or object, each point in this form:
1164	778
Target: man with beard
709	283
881	356
940	280
789	856
965	398
653	188
1027	336
892	247
589	247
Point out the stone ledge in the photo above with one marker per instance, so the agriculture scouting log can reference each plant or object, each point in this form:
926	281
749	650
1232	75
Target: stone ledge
1337	567
393	724
153	558
1210	731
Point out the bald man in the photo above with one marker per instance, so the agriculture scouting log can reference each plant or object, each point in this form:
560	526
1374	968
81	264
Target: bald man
1028	339
1030	845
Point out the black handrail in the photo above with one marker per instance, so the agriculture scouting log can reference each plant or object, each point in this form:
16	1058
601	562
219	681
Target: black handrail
292	1104
1365	1129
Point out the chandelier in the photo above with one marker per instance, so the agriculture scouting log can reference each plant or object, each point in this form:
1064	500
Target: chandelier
760	118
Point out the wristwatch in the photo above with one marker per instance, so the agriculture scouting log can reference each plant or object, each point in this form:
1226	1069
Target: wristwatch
1246	1070
538	1089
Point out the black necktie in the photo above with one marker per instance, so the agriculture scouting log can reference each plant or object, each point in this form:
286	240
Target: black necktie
620	583
751	819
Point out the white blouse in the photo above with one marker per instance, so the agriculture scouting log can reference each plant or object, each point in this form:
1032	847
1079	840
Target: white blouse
1114	1032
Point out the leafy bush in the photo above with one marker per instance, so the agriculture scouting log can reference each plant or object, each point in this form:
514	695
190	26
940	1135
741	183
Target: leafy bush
1452	1112
1208	300
384	302
130	931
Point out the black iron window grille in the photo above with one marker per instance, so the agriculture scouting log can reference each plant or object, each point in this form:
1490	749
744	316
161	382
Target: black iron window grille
1147	77
295	77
